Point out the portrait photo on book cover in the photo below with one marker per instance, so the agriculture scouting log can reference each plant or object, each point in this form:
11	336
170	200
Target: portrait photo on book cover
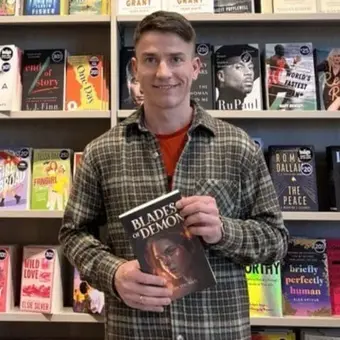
175	256
237	77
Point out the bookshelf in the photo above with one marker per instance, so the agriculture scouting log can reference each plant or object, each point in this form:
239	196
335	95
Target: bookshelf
105	34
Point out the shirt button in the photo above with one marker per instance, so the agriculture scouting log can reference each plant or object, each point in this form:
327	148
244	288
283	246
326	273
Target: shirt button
180	337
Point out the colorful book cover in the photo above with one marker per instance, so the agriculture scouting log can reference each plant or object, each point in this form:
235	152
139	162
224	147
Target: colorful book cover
88	7
51	179
39	282
272	335
43	78
290	77
305	283
15	178
333	171
85	83
7	279
237	77
234	6
264	287
86	299
9	7
328	75
137	7
333	255
45	7
164	247
292	168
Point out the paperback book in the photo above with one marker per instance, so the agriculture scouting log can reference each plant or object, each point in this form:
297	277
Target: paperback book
9	7
137	7
234	6
189	6
45	7
164	247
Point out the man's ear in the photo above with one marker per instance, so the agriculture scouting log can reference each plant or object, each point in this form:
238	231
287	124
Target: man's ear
197	65
134	67
220	76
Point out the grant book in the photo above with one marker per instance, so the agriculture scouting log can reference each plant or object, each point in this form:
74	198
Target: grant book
164	247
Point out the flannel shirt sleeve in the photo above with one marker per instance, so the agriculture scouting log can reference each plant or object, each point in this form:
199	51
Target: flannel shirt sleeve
83	216
261	236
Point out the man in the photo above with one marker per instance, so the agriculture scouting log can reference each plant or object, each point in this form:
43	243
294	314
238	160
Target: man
237	68
228	199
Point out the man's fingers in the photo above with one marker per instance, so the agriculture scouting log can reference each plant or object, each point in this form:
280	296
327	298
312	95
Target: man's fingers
149	300
200	219
150	290
144	307
184	201
199	207
148	279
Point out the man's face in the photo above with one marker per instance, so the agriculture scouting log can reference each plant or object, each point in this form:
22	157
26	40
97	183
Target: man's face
238	75
135	91
173	258
165	68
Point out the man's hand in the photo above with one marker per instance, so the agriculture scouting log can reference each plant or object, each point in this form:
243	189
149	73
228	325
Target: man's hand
140	290
201	217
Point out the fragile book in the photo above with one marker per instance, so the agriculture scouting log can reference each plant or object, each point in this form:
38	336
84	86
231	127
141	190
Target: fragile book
165	248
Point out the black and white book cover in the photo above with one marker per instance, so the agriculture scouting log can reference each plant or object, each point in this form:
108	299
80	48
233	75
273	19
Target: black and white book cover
131	96
333	166
202	90
290	77
165	248
292	168
237	77
234	6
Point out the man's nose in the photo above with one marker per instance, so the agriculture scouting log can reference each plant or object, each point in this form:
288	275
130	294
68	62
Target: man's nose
163	71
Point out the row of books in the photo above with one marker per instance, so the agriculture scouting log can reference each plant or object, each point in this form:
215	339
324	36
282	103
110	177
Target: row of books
52	80
48	7
40	179
305	283
292	76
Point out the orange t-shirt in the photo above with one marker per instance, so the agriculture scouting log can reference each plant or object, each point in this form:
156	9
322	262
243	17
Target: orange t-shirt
171	148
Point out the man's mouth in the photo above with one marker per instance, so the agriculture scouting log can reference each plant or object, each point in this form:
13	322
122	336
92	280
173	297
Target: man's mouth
165	87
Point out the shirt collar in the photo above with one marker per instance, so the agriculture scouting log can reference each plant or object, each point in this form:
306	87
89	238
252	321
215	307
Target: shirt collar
201	119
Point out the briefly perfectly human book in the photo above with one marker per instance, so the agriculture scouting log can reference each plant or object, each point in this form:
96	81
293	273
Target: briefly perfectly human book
164	247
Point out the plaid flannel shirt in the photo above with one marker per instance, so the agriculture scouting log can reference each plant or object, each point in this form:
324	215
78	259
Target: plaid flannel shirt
122	169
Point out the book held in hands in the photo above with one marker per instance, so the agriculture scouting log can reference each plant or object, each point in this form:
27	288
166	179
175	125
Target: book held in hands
164	247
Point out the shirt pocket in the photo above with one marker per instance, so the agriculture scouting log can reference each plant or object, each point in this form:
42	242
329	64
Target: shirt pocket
225	192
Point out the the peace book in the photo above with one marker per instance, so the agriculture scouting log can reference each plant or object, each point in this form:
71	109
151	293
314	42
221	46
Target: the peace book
164	247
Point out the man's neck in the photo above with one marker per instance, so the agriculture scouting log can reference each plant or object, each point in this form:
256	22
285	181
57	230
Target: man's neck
166	121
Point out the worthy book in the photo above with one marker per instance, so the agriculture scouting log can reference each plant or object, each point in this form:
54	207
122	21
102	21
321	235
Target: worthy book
164	247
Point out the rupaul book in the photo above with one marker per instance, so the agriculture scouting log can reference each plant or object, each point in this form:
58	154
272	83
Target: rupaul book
305	283
165	248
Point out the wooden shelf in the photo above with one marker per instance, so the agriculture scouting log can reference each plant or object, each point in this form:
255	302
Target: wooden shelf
262	114
31	214
67	315
54	19
55	114
311	216
247	18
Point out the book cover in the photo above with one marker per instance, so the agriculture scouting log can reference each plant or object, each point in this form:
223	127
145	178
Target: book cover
85	83
9	7
189	6
295	6
45	7
234	6
86	299
15	178
305	282
41	287
290	77
138	7
51	179
237	77
43	78
328	76
333	169
333	256
264	287
97	7
164	247
10	78
273	335
292	168
131	96
328	6
202	88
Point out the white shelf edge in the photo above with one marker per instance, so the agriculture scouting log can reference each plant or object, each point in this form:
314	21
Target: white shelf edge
54	19
245	17
30	214
67	315
311	216
262	114
55	114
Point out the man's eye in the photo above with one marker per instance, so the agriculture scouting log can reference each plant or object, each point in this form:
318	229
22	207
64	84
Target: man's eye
150	60
176	60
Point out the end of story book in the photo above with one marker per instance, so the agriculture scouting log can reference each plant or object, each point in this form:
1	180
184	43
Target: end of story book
165	248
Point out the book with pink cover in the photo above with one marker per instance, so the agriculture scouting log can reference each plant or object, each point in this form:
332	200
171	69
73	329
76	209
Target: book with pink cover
7	277
41	287
333	255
